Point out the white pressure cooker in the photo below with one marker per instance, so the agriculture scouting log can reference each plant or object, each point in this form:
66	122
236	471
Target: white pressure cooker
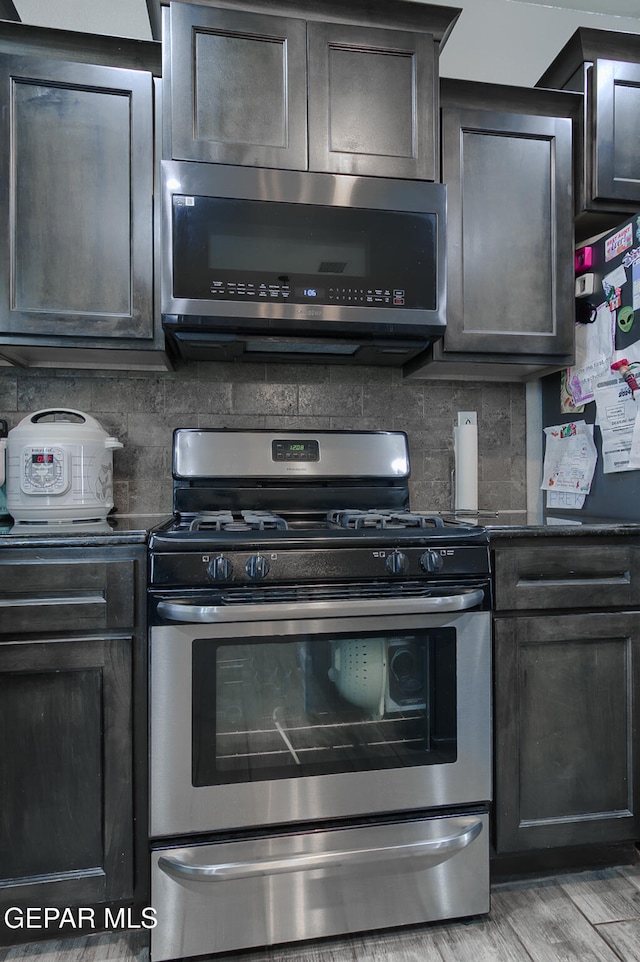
59	467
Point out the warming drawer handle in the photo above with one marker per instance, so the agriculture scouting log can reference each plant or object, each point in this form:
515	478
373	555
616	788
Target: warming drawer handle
433	850
179	611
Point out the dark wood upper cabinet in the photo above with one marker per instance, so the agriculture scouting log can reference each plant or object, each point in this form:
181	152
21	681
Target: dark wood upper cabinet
238	87
616	131
77	161
76	214
338	89
371	103
8	10
603	66
507	164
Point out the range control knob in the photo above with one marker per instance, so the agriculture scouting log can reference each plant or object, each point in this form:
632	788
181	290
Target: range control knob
220	569
397	563
257	567
431	561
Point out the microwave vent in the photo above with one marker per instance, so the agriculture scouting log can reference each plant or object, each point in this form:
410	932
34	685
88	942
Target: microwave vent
332	267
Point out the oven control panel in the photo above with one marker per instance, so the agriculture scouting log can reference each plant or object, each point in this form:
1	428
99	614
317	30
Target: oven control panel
234	567
299	449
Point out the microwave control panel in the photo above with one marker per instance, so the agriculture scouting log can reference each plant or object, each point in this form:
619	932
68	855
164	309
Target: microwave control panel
355	296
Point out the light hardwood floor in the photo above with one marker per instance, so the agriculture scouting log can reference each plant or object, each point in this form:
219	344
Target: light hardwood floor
586	917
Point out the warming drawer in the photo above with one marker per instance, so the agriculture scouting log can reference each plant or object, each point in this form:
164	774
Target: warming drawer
319	883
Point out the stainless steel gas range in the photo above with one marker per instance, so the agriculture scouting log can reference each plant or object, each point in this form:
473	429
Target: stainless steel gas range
320	696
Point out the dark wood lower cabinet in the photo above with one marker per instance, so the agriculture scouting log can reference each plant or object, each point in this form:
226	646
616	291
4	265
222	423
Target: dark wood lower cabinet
567	739
66	822
72	738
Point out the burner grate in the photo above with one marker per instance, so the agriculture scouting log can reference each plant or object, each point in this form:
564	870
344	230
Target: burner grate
353	518
247	521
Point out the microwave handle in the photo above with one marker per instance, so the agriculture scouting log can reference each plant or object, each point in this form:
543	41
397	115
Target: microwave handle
431	851
353	607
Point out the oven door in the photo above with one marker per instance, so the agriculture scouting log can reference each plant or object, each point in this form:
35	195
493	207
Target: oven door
273	714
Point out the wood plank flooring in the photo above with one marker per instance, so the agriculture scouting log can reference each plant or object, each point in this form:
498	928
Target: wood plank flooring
586	917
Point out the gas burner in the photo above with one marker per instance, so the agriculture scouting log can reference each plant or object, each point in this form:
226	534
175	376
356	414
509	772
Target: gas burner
227	521
353	518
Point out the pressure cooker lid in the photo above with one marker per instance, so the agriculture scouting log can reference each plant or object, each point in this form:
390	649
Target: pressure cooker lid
60	425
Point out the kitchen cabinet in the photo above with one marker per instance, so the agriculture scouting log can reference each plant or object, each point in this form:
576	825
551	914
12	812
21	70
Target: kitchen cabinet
604	66
340	90
72	730
567	683
76	217
507	163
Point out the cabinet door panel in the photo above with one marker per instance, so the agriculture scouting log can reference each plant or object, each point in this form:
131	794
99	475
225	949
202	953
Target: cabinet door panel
65	727
509	228
238	87
616	135
566	733
371	101
66	820
53	149
76	158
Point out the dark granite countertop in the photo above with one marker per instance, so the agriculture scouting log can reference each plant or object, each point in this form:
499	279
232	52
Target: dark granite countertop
116	530
134	529
505	526
502	525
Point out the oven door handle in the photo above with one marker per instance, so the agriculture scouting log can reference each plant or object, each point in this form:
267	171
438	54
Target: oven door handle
353	607
429	851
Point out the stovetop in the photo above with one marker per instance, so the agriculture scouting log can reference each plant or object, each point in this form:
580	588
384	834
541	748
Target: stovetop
262	507
371	519
255	548
339	525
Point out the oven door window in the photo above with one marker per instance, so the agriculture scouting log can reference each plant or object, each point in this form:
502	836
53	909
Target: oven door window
350	702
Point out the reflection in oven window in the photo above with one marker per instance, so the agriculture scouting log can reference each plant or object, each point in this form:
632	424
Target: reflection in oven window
320	705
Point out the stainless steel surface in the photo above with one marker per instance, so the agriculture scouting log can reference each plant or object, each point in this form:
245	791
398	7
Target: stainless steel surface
179	808
392	873
248	454
320	656
183	611
301	187
430	851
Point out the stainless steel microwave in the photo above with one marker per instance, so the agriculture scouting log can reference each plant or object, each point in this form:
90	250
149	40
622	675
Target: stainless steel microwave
290	265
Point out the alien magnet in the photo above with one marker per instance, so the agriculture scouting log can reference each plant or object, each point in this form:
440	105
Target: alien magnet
625	318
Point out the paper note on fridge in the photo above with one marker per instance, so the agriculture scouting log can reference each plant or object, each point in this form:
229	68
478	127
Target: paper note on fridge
617	278
616	411
570	458
594	343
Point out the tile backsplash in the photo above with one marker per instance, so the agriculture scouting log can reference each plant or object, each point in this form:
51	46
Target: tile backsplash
142	410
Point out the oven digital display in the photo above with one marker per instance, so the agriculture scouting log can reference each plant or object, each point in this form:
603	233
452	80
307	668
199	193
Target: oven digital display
295	450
